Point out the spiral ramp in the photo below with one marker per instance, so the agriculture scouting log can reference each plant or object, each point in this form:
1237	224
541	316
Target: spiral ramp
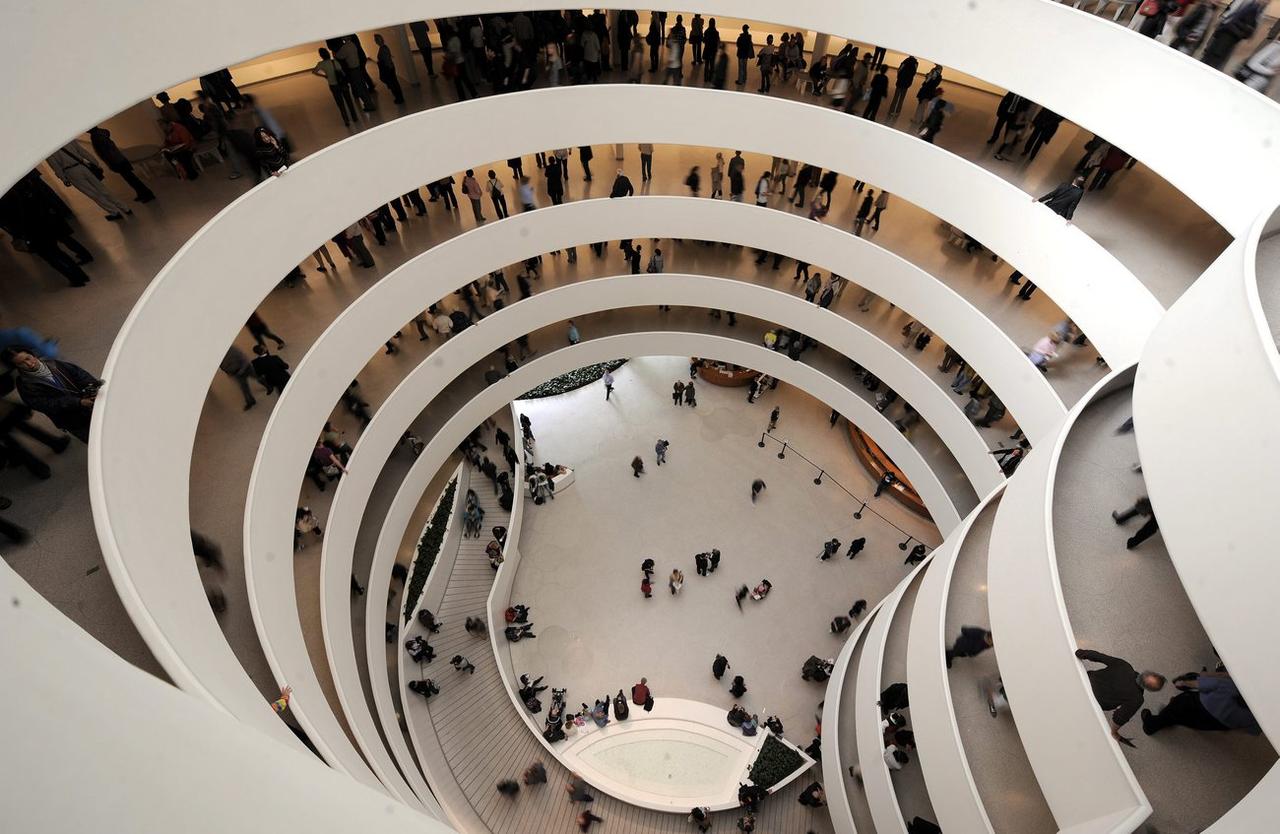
1033	557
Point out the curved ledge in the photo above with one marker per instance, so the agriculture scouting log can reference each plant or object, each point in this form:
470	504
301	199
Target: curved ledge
876	780
274	484
1227	568
550	364
952	790
1009	43
379	675
1086	781
833	769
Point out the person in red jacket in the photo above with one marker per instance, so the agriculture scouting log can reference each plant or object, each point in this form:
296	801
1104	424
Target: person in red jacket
640	693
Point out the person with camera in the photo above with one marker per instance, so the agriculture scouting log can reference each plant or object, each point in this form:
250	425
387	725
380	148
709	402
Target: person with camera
63	392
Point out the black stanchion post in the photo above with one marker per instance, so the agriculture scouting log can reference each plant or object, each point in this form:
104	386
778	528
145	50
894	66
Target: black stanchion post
903	545
782	453
858	514
761	443
818	480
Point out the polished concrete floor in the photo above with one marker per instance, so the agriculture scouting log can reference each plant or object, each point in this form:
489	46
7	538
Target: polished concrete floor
1154	230
997	760
1130	604
582	552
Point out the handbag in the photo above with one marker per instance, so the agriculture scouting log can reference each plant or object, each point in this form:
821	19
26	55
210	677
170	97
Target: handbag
648	704
1149	8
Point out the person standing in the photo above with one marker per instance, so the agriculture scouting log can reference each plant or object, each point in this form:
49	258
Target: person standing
526	195
555	180
766	60
757	486
646	161
77	170
352	59
237	366
332	72
746	50
496	196
882	203
573	334
711	48
879	89
677	392
1006	111
690	395
864	211
585	155
608	385
622	186
773	418
695	38
856	546
902	83
676	581
387	70
35	218
107	150
762	190
471	188
660	450
719	665
62	391
737	184
1043	126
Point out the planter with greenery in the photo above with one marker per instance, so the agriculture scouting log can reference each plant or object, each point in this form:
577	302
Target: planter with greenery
428	549
573	380
775	762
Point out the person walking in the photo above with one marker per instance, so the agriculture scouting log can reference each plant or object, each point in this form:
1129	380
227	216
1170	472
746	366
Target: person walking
526	195
1140	507
1236	24
1118	688
112	157
719	665
660	450
637	467
33	215
676	581
77	170
237	366
762	190
1063	200
387	70
757	486
496	196
573	334
773	418
646	162
1043	126
471	188
856	546
690	396
864	211
973	641
608	385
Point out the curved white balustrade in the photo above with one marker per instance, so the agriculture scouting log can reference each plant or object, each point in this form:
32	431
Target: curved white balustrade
1220	534
274	485
1086	781
379	675
877	782
142	451
833	770
952	790
94	744
1016	44
551	364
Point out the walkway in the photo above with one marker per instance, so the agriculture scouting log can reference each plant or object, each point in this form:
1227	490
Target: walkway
1130	604
999	765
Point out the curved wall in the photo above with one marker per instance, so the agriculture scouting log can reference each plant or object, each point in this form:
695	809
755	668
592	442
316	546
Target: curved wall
140	451
1220	540
1015	44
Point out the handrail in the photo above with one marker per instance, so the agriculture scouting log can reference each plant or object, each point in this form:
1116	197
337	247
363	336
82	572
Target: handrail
824	475
876	779
380	681
1014	44
833	768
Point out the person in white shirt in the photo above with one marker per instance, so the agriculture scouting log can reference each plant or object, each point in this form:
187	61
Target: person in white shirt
762	189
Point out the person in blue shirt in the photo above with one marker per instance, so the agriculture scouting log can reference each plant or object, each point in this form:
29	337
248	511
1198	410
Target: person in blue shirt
1209	702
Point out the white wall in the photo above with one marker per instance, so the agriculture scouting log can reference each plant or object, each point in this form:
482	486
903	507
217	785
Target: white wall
93	744
1211	371
1015	44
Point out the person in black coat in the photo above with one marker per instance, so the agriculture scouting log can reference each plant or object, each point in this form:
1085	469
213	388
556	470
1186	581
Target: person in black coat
973	641
1043	126
585	155
719	665
879	89
35	217
270	369
858	607
738	688
1064	199
1011	105
622	186
63	392
107	150
855	546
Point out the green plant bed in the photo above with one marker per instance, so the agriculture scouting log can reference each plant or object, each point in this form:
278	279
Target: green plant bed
428	549
776	762
573	380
